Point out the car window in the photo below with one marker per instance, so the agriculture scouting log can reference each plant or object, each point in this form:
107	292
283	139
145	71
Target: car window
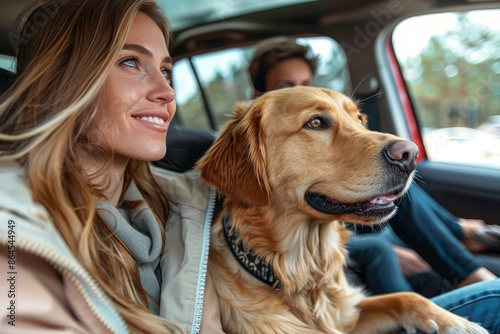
224	79
188	98
7	62
452	71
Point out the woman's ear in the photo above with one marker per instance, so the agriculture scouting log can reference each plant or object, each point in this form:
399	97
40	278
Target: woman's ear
235	163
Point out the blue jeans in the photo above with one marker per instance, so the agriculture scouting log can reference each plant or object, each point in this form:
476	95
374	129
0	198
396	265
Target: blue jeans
479	302
374	260
433	232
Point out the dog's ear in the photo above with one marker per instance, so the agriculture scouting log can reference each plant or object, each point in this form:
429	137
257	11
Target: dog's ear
235	163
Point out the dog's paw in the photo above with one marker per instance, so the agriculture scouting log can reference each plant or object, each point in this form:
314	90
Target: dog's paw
412	313
447	323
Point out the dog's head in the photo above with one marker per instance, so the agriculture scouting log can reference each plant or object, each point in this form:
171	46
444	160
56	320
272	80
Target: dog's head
308	149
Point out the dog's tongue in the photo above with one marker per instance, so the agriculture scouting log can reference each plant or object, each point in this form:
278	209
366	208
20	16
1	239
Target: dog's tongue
382	203
383	199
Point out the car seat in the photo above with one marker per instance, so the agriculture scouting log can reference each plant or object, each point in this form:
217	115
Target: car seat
185	146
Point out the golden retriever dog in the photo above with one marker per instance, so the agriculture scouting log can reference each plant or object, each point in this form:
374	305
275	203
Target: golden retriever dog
293	165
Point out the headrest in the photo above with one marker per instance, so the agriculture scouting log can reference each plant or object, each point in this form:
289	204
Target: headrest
185	146
7	78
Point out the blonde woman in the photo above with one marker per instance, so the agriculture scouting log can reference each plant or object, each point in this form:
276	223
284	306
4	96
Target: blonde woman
83	217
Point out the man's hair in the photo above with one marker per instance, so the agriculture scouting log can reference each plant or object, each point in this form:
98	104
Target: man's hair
273	51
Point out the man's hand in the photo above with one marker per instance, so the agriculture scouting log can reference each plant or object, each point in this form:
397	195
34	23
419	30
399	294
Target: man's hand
411	263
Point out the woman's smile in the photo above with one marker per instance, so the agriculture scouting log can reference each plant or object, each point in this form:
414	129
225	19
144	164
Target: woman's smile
157	121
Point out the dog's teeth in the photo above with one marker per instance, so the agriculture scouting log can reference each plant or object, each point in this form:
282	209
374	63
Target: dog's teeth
379	200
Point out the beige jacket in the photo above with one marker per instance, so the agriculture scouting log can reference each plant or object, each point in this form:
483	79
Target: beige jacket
45	289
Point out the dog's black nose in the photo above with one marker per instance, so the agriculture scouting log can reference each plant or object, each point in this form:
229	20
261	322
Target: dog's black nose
402	153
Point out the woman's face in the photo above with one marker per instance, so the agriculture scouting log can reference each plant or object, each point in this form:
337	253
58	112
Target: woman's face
289	73
138	101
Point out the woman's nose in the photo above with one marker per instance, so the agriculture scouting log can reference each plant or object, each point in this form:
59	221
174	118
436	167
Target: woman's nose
161	89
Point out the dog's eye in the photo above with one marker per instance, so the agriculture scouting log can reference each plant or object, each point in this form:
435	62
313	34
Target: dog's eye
316	123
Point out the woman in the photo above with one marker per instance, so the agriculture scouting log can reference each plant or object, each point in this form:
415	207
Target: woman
83	220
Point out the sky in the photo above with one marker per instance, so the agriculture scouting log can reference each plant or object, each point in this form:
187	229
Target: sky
410	36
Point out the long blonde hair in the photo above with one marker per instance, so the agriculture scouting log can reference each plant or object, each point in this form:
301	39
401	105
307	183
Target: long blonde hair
65	51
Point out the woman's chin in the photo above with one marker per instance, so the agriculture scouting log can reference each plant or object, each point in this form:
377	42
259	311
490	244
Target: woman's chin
147	154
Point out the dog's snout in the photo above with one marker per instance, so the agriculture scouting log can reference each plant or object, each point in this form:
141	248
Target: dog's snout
403	154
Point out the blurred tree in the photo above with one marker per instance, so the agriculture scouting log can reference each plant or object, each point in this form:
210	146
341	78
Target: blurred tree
454	80
332	71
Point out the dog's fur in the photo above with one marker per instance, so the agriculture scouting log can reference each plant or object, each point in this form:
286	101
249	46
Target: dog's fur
272	153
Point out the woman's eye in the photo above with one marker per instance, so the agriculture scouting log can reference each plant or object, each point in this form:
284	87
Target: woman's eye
316	123
131	62
286	85
167	73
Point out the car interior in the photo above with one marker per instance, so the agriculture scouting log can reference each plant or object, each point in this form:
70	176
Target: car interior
364	33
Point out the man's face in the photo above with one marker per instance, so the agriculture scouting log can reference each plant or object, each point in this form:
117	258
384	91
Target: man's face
289	73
